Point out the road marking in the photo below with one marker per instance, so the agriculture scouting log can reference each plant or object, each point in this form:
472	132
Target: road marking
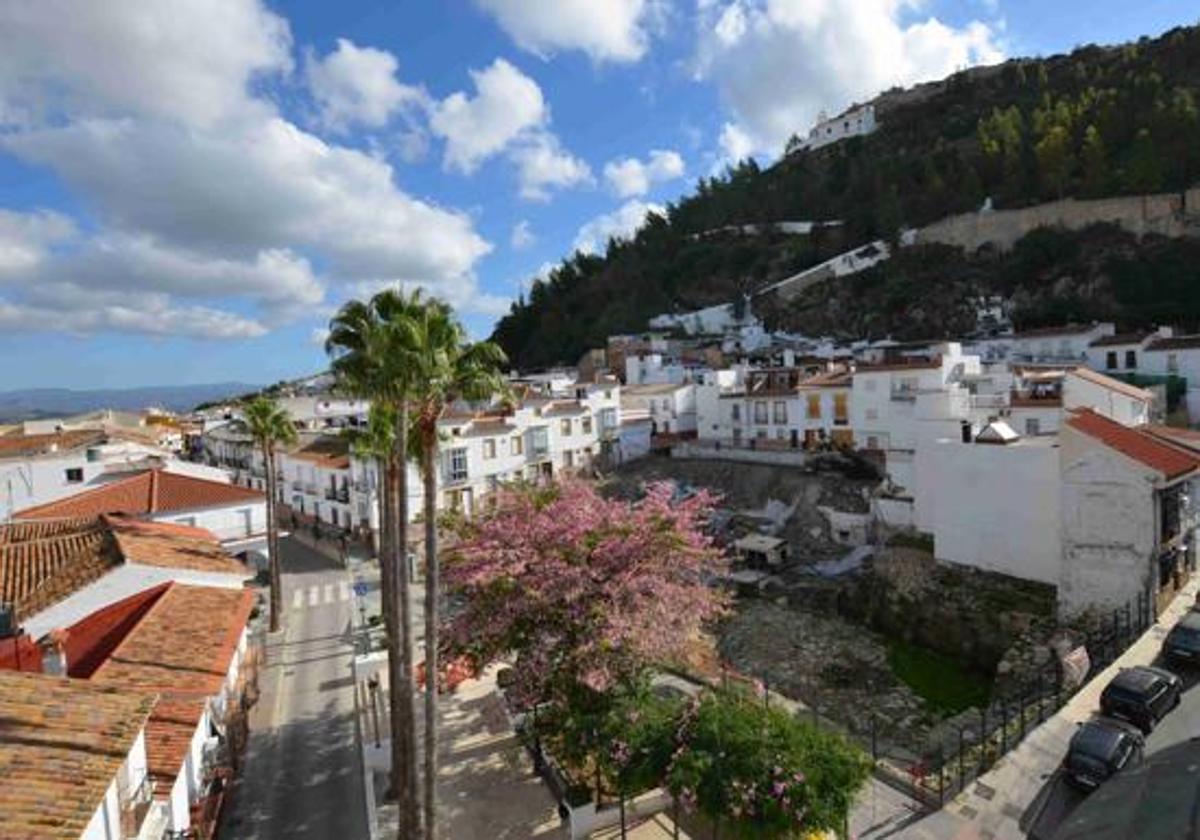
343	591
297	599
329	593
314	595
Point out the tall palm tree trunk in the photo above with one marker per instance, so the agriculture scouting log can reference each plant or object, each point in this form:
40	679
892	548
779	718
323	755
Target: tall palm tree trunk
273	563
432	617
404	685
384	550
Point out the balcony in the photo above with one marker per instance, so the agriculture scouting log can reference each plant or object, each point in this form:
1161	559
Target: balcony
298	486
902	394
1036	399
343	495
310	489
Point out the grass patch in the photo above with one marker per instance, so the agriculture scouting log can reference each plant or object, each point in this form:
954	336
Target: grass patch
942	683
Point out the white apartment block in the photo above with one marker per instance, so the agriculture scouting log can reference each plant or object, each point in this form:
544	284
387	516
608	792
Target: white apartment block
790	408
39	468
670	406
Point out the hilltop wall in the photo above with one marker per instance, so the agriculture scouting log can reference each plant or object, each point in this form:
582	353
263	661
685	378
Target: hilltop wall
1167	214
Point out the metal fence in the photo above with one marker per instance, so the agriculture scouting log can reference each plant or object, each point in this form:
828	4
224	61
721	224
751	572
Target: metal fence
958	754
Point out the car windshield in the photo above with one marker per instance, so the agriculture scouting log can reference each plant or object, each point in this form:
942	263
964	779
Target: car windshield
1087	765
1124	696
1186	635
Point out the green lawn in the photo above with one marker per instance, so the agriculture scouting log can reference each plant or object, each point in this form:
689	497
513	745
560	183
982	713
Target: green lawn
943	683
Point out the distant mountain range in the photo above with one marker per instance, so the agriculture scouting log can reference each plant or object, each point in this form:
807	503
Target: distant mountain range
33	403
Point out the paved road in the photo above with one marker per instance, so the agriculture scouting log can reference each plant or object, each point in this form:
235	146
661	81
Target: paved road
1058	799
301	777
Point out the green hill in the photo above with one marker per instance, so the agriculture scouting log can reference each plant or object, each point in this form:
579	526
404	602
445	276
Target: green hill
1102	121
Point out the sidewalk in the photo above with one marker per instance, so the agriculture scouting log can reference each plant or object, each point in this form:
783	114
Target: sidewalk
998	804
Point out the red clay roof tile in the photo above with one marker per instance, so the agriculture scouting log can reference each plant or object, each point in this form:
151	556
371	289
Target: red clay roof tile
152	491
1140	445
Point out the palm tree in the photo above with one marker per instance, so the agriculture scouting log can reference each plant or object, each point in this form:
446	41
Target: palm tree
375	444
270	425
447	368
370	344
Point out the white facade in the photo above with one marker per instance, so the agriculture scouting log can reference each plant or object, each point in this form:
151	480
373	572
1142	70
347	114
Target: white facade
854	122
547	435
105	823
671	407
28	482
993	507
1177	357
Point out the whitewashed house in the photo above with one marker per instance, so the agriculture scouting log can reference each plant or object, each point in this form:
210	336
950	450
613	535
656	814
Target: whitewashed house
670	406
1177	358
76	761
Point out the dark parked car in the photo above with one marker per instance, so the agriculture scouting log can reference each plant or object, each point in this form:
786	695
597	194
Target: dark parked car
1099	749
1142	695
1182	645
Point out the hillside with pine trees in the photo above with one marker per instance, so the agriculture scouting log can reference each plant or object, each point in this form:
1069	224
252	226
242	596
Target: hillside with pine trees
1099	122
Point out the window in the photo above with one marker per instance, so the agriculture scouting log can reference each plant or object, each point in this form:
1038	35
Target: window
872	414
74	475
1130	359
457	464
814	406
761	434
760	411
568	459
564	426
1032	426
666	405
517	445
586	425
489	448
1172	363
1110	360
780	412
839	408
735	411
539	440
737	436
872	442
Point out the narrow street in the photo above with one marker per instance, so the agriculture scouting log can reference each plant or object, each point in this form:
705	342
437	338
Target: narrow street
301	777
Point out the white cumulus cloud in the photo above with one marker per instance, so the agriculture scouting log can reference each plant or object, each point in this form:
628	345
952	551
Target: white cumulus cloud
622	223
522	236
506	105
631	176
356	85
777	63
607	30
210	212
543	165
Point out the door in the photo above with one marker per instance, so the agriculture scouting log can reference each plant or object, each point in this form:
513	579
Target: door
795	438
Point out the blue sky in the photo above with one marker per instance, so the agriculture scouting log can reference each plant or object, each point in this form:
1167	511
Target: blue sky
188	189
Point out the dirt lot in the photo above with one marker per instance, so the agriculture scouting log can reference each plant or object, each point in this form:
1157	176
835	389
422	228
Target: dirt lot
781	501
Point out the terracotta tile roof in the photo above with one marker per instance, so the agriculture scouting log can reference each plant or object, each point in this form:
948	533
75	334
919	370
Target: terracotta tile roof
331	452
182	649
655	389
43	562
1121	338
1135	443
1179	342
1112	384
64	742
1187	438
171	546
152	491
829	379
910	364
1066	329
28	446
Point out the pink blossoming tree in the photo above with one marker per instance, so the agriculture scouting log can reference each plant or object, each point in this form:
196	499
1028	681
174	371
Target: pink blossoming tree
587	591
